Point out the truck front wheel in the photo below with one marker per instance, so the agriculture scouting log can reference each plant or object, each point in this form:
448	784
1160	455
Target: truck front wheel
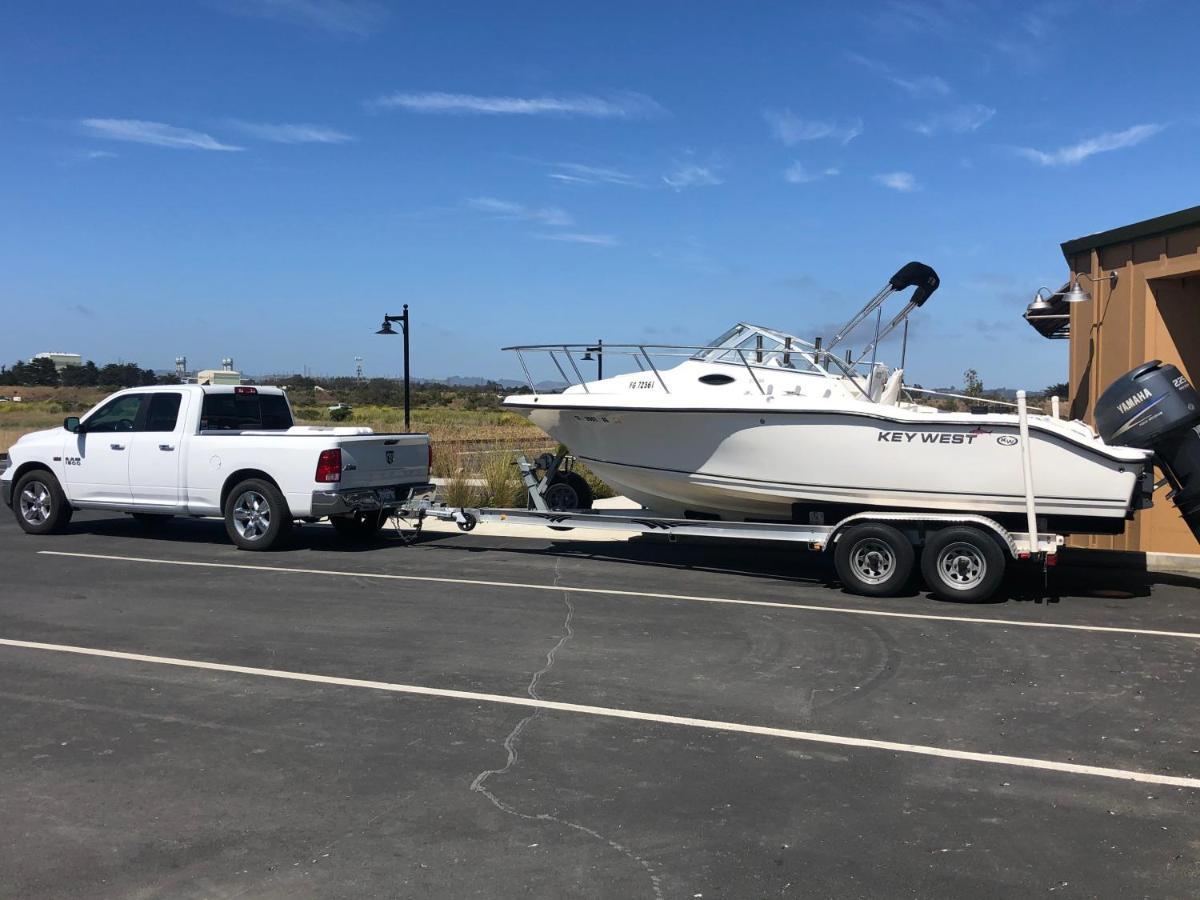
256	515
39	503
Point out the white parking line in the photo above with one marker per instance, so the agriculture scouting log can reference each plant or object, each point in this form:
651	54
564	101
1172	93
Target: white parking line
612	713
850	611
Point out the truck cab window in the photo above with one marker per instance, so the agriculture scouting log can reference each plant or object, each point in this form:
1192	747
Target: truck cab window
245	412
119	414
163	412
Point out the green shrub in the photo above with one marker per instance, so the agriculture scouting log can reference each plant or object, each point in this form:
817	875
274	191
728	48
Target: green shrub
503	481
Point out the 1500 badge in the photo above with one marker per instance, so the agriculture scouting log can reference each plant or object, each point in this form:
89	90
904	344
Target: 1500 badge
926	437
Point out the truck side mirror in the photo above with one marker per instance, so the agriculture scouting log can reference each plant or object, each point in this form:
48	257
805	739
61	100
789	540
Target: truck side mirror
71	423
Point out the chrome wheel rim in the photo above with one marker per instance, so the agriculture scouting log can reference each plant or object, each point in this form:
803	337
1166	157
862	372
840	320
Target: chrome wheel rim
961	565
35	503
872	560
251	515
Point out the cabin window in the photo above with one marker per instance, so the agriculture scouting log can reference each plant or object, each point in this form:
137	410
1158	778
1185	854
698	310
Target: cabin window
716	378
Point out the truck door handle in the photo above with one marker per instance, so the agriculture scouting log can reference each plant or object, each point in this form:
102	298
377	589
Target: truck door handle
166	446
117	446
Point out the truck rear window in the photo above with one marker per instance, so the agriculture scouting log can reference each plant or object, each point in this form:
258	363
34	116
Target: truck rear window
245	412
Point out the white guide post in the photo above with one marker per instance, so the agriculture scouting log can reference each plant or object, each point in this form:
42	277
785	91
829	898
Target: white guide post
1027	471
1054	407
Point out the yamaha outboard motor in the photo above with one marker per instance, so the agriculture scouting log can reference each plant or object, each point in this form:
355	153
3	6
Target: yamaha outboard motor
1154	408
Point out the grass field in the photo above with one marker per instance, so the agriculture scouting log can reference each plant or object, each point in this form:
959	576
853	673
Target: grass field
473	429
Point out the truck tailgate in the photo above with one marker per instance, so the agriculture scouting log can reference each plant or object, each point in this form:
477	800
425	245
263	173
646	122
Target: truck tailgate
379	460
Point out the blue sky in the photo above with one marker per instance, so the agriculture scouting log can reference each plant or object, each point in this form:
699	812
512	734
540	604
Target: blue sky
264	178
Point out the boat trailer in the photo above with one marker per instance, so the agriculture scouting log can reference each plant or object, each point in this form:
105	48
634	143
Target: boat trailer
961	556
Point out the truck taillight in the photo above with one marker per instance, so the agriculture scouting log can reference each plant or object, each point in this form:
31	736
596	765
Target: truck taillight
242	389
429	463
329	466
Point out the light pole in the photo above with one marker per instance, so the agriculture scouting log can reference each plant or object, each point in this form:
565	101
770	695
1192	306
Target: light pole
599	351
386	328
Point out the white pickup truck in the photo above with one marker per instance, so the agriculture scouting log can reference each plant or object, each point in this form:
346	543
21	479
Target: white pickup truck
234	452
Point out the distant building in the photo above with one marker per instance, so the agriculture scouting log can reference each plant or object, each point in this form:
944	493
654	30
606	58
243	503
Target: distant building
223	375
218	376
61	360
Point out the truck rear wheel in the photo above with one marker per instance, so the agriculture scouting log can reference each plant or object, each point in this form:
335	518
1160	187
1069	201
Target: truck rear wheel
962	564
257	515
39	503
873	559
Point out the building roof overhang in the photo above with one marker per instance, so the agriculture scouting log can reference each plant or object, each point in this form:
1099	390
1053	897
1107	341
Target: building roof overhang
1184	218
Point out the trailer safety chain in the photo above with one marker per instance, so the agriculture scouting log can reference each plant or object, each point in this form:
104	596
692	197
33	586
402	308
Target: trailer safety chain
408	533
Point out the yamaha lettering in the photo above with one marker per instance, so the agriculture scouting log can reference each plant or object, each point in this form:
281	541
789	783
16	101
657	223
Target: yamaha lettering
925	437
1130	402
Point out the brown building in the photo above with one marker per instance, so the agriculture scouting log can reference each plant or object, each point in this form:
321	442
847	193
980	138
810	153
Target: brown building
1150	310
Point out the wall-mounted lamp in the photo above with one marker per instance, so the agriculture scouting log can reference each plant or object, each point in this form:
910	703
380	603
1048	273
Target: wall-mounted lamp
1079	294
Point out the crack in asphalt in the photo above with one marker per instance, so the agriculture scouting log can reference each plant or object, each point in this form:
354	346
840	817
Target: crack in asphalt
510	747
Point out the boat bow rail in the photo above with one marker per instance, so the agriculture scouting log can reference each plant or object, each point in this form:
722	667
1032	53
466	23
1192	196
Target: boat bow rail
754	348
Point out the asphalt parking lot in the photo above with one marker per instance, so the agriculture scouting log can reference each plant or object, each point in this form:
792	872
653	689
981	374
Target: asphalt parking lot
491	716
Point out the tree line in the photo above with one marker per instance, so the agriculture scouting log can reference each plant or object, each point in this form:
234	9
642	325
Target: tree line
389	392
42	373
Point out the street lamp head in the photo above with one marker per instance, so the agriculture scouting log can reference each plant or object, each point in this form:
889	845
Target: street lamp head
587	357
386	328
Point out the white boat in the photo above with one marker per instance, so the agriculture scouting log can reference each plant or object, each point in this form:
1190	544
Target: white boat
760	425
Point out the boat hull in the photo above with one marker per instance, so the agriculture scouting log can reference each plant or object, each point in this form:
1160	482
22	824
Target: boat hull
783	465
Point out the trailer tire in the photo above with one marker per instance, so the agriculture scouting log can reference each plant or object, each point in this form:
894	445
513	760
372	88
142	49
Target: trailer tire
873	559
257	515
568	490
962	564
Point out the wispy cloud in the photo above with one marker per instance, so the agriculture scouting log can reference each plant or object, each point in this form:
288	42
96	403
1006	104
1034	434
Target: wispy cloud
507	209
581	174
960	120
101	154
155	133
285	133
357	18
898	181
791	129
915	85
620	106
942	18
596	240
690	175
797	174
1077	153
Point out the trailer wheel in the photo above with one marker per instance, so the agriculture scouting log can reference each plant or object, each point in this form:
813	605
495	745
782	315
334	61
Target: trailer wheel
567	490
962	564
873	559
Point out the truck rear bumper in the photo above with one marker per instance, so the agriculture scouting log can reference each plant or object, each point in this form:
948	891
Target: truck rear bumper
355	500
